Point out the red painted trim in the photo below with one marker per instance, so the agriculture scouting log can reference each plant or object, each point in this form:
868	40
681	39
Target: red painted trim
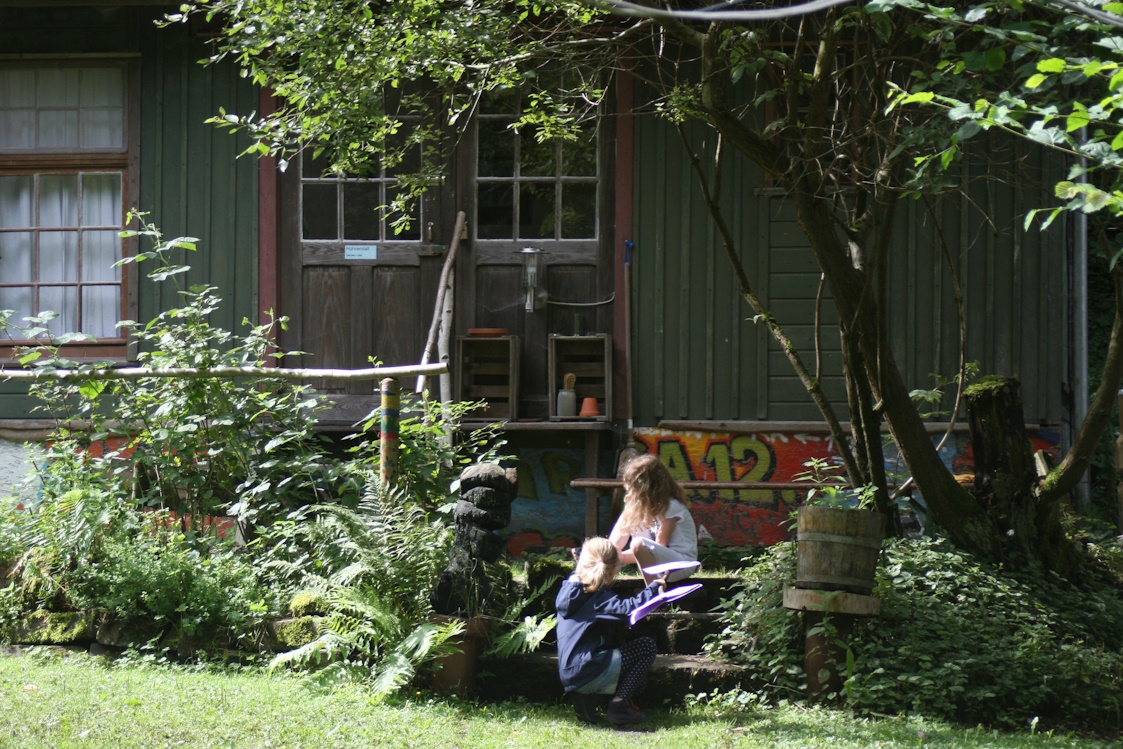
625	84
267	250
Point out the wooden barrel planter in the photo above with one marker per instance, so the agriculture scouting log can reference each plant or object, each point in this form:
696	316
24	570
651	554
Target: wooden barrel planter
838	548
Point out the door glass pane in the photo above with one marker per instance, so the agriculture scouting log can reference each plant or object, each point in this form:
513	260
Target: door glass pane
536	211
319	212
58	256
579	157
361	201
101	309
101	199
579	211
537	159
497	149
314	167
58	200
413	233
411	158
64	301
16	298
17	128
495	212
15	202
16	257
100	251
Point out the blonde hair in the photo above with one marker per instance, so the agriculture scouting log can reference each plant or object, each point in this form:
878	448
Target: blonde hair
649	487
597	565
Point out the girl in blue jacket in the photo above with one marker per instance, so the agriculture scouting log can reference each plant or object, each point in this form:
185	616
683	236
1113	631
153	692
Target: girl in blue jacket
590	660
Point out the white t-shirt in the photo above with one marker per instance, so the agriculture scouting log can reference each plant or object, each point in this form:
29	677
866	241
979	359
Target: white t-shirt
684	536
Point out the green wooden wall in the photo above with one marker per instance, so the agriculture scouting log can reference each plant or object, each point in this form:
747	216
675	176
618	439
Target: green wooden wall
190	181
698	355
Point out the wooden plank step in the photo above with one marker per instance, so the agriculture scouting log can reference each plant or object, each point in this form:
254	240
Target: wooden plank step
534	676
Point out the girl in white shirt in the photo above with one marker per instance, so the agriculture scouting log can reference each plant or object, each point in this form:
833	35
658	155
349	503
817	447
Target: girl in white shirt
655	519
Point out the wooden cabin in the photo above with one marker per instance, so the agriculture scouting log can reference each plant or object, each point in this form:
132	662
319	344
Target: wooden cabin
101	111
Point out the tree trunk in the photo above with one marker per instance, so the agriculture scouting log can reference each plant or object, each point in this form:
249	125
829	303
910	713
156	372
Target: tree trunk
1005	478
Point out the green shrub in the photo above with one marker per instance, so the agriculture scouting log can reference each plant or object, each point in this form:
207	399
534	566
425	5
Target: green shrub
955	639
190	585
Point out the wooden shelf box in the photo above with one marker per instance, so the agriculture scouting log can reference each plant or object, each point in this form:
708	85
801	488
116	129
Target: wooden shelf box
487	369
590	358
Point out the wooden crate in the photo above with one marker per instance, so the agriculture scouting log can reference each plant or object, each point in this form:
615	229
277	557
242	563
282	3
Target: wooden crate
590	358
487	369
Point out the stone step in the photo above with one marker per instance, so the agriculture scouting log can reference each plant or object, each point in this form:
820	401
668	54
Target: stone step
534	676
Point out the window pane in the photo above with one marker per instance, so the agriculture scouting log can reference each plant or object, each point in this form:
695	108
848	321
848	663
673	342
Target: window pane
58	87
101	310
58	256
16	298
64	301
58	129
497	149
411	158
536	211
579	211
360	210
101	199
100	251
16	257
58	200
414	231
17	128
102	87
102	128
537	159
495	212
314	167
17	88
15	202
319	212
579	158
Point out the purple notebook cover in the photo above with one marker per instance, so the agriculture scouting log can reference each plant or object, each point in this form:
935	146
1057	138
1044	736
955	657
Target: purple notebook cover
658	570
665	597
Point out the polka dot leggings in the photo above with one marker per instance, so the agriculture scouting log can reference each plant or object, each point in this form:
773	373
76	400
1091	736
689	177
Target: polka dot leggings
636	658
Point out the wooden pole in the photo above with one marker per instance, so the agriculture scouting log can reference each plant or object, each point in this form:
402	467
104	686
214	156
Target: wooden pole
388	469
136	373
438	309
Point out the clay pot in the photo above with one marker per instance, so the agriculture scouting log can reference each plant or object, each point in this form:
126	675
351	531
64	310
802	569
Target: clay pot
589	407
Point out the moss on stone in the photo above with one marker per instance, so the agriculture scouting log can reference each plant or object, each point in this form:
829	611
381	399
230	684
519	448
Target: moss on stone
56	628
291	634
308	603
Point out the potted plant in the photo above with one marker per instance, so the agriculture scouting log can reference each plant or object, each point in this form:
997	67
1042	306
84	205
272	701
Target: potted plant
838	533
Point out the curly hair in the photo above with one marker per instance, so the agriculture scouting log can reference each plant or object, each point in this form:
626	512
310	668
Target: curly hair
649	487
597	565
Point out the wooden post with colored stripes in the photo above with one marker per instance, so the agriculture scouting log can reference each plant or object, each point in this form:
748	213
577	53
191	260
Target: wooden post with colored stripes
391	404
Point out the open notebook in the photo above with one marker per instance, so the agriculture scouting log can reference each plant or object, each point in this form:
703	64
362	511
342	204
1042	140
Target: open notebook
663	598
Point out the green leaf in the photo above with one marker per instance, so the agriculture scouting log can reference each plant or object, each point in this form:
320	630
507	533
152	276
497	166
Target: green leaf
996	58
922	97
1035	80
1052	65
91	389
1077	120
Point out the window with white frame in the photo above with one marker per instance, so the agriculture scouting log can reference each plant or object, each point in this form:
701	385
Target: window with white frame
64	156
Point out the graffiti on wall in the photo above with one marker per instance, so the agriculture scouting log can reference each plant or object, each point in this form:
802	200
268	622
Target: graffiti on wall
549	513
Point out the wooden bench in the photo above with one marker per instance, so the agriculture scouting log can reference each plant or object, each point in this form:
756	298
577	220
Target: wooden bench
595	488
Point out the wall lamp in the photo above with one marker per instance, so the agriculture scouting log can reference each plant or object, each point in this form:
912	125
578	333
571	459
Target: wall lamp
532	264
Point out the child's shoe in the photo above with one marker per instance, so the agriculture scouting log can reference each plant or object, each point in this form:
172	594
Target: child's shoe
623	712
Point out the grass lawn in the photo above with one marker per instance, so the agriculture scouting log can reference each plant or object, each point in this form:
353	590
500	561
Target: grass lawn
78	701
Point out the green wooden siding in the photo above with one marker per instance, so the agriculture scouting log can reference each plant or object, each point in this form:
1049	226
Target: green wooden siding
698	355
190	181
